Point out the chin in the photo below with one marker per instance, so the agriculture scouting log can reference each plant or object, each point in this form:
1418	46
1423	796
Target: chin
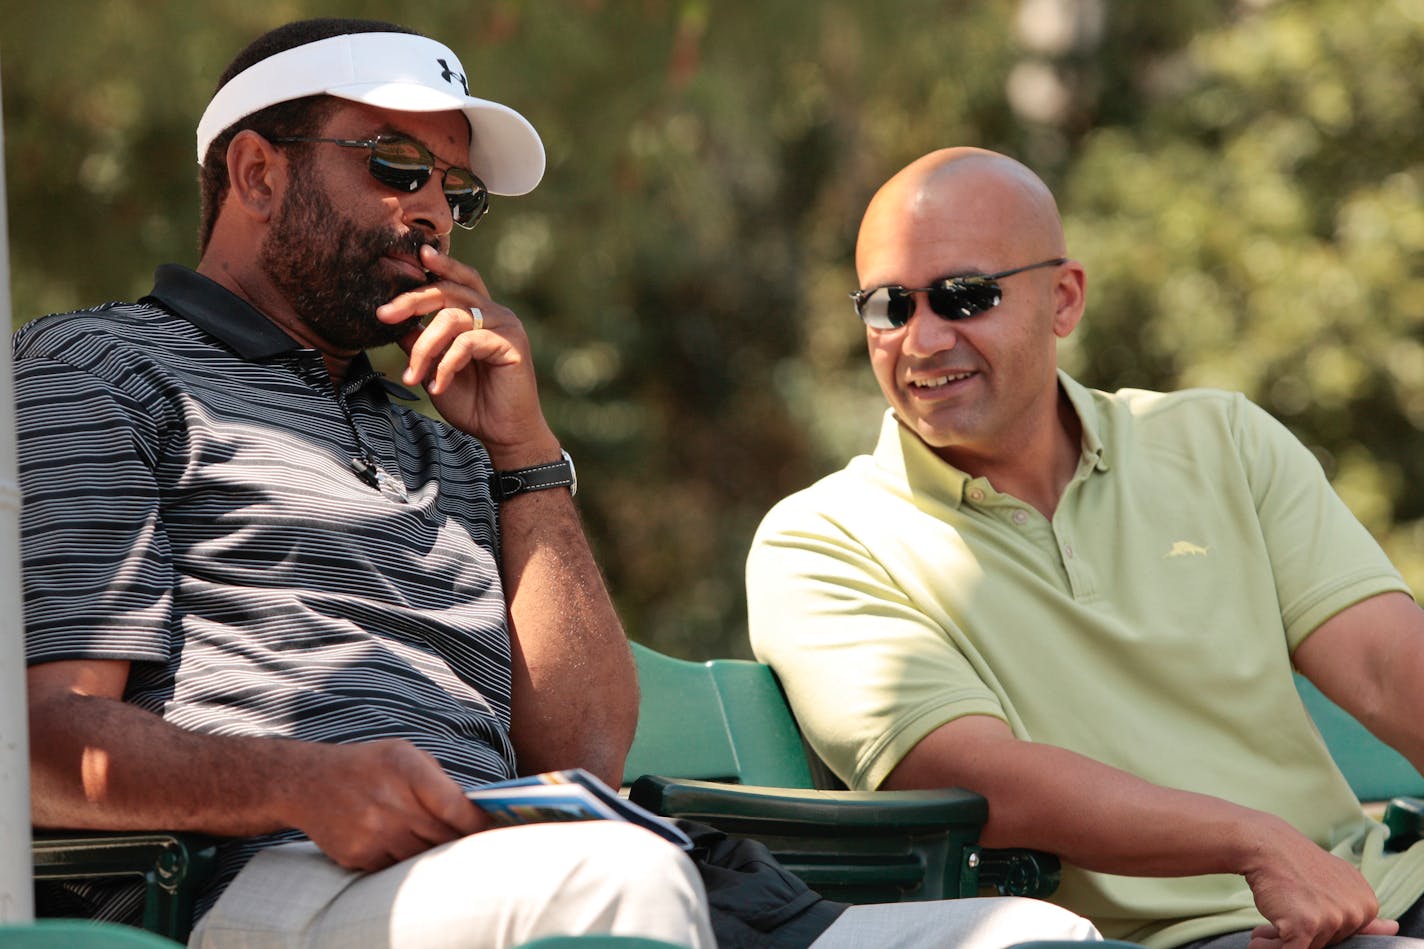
936	436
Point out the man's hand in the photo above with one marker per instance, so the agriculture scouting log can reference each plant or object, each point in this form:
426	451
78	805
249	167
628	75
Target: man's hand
372	804
480	378
1311	897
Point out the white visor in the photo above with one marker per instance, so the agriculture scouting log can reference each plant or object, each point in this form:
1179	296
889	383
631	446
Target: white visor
398	71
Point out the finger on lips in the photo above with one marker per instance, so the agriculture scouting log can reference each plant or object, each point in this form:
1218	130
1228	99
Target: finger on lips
448	267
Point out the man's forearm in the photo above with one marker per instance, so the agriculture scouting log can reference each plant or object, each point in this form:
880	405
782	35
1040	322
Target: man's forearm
1100	818
1092	815
100	763
575	692
1104	819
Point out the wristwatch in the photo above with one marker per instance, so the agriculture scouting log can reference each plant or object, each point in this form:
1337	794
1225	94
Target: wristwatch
554	474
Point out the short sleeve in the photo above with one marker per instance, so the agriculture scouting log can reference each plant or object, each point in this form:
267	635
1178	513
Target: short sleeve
1323	559
96	566
868	674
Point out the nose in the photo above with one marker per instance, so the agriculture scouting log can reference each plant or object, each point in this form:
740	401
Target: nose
927	332
427	209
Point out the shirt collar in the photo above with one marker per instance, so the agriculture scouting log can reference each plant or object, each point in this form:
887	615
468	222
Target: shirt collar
239	325
1085	406
904	454
219	312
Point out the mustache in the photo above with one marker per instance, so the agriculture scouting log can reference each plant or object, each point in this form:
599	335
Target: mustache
406	244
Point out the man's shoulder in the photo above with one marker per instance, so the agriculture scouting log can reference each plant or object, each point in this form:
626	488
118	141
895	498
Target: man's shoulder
1178	416
98	327
833	502
1215	430
1150	404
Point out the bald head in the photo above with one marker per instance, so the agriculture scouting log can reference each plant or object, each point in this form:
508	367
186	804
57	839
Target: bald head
963	207
979	387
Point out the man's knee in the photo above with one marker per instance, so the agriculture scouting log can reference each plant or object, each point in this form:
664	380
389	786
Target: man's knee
631	863
629	880
1045	920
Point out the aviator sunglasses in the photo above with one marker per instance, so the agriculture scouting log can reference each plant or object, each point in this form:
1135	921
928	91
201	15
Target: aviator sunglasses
953	298
406	165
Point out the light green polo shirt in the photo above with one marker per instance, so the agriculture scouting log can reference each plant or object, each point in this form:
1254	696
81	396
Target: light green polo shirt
1148	625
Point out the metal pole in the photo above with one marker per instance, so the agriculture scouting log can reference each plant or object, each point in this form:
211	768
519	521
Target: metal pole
17	903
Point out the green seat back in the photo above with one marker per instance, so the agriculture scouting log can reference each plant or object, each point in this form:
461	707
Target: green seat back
723	720
1376	771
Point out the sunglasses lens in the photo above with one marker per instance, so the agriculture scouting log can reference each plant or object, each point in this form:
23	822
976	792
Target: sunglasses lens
958	300
401	164
467	194
886	308
954	299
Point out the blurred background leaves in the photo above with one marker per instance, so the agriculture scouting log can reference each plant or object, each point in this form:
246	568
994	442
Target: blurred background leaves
1241	178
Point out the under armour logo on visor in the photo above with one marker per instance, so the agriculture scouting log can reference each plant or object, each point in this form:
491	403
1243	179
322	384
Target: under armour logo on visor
449	75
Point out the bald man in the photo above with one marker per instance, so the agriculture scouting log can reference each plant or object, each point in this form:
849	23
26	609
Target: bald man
1086	605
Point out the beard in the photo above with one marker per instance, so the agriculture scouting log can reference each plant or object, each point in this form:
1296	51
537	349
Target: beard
331	270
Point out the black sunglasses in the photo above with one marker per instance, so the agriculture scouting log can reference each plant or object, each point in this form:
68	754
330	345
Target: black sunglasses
953	298
406	165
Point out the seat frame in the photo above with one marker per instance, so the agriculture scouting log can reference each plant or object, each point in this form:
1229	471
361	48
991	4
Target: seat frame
174	867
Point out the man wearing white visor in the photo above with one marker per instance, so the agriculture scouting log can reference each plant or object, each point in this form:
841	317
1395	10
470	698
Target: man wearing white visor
266	601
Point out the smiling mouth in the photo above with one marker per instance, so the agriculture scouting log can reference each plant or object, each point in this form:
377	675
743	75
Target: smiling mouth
935	382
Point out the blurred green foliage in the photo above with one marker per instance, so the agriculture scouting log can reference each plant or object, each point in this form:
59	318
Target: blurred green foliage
1242	180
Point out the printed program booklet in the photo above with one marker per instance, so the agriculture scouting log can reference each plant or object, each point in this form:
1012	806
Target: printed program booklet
567	795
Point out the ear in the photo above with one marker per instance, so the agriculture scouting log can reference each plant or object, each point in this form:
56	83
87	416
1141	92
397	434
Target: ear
257	175
1070	296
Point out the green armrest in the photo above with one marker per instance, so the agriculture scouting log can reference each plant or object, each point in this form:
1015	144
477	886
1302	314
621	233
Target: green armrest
173	867
852	811
854	846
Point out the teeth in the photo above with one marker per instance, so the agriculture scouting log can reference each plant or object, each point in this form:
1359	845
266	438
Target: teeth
940	380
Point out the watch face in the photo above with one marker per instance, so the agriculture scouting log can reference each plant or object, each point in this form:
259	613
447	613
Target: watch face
573	473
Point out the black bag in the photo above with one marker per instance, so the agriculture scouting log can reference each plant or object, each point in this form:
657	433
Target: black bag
756	903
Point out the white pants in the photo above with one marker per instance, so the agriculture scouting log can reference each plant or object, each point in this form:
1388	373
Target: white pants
490	890
993	922
506	887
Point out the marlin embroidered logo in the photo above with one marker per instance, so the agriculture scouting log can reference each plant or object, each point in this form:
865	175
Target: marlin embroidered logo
1185	548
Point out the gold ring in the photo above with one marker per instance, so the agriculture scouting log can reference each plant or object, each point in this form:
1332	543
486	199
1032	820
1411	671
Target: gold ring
478	317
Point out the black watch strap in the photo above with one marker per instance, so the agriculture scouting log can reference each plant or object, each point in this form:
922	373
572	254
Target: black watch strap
554	474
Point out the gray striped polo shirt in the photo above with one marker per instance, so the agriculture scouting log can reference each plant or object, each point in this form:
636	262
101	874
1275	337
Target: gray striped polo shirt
274	556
